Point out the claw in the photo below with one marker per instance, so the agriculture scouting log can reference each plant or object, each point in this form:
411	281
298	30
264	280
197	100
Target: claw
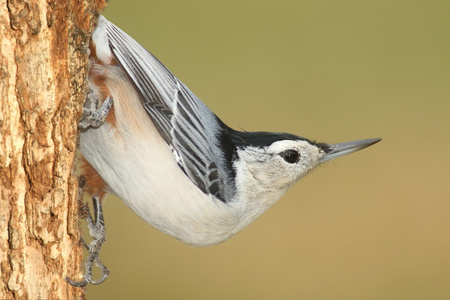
84	244
81	283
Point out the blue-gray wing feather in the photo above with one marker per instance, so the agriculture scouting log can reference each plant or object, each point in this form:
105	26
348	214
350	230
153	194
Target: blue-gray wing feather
187	125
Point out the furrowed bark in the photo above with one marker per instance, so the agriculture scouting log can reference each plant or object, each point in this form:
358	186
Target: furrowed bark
43	65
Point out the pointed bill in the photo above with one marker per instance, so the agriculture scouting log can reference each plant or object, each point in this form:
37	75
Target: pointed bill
341	149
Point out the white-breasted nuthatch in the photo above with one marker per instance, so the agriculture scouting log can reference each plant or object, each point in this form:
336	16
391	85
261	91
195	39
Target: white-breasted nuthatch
148	139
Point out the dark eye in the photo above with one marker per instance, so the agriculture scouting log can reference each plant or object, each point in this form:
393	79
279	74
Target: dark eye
290	156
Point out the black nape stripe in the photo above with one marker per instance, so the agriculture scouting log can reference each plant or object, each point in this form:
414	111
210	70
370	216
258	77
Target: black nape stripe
263	139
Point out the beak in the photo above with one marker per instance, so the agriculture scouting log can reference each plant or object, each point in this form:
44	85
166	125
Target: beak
341	149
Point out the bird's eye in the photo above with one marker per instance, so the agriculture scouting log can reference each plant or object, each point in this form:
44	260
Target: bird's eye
290	156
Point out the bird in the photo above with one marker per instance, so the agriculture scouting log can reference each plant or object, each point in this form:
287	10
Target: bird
145	137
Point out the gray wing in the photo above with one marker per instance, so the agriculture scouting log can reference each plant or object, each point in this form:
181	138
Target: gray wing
187	125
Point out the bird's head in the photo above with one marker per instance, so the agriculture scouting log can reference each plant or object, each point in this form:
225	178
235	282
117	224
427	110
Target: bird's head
270	163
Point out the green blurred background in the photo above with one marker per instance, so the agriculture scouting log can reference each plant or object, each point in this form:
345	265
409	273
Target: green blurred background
373	225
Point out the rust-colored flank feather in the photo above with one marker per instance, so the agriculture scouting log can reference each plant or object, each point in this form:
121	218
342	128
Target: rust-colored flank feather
94	183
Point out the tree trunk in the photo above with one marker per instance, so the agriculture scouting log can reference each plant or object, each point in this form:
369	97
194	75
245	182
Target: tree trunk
42	88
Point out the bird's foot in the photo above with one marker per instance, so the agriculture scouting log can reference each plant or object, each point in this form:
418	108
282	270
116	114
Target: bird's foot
98	233
93	116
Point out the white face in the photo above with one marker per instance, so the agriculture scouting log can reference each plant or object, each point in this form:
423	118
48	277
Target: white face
280	165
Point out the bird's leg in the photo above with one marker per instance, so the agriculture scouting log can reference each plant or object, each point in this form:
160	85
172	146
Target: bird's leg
94	116
97	232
